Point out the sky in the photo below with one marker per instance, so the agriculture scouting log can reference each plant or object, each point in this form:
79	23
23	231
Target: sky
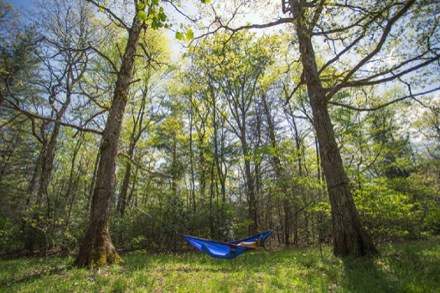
273	11
25	7
19	4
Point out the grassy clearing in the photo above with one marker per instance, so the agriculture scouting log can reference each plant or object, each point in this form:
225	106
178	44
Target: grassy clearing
404	267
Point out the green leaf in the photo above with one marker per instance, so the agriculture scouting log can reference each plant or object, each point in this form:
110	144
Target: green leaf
189	34
206	1
155	2
180	36
162	16
141	15
140	5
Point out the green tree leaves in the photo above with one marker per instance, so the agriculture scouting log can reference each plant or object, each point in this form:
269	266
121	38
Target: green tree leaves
185	37
152	14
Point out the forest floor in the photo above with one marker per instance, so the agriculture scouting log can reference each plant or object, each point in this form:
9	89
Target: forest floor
402	267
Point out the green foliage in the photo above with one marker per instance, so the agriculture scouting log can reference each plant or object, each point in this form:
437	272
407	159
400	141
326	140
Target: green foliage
405	267
9	235
394	209
185	37
152	14
180	36
138	242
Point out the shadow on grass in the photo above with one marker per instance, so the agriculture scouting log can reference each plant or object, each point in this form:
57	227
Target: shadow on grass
365	275
31	276
409	267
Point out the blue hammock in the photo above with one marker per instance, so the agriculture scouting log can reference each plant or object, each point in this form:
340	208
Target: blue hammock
227	250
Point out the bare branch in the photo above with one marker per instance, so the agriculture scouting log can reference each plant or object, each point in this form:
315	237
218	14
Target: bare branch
367	81
33	116
410	96
119	21
260	26
376	50
155	173
112	64
245	27
181	12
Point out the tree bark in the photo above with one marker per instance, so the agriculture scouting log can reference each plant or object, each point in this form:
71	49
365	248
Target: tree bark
280	173
250	186
122	202
218	154
71	187
349	236
97	248
192	199
135	135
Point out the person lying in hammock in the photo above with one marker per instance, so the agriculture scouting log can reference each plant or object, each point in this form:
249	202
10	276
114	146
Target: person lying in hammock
228	250
253	244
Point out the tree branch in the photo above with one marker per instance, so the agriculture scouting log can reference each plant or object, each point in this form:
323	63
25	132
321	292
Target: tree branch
181	12
108	11
410	96
48	119
367	81
376	50
246	27
125	156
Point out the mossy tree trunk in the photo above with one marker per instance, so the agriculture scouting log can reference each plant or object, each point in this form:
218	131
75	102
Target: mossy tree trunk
97	248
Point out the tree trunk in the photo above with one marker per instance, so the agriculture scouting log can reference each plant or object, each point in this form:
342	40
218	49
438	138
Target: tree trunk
71	187
250	189
221	173
349	237
132	189
47	166
280	173
192	199
50	146
122	202
135	135
97	248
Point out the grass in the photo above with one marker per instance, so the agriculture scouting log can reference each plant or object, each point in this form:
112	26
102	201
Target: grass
405	267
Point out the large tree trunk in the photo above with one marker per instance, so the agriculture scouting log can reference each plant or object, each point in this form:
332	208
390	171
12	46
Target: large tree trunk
349	236
97	248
